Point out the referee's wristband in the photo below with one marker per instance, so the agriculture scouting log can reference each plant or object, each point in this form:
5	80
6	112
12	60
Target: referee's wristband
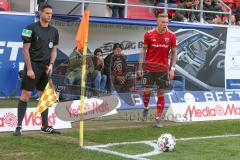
173	68
51	63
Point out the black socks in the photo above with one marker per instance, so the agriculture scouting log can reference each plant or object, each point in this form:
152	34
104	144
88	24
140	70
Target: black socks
22	107
44	115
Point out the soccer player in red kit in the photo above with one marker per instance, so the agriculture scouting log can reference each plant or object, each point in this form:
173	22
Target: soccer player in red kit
155	66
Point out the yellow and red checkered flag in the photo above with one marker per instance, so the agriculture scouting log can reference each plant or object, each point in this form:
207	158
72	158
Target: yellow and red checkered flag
48	97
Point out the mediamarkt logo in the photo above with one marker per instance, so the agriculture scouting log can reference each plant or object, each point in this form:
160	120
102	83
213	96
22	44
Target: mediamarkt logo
10	120
218	110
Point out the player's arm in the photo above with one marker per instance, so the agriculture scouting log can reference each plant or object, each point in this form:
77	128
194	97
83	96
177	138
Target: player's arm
173	59
142	59
142	56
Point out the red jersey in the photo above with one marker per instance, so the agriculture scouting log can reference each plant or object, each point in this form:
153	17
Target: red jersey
159	45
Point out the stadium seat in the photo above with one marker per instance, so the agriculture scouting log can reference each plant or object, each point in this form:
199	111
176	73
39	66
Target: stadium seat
4	5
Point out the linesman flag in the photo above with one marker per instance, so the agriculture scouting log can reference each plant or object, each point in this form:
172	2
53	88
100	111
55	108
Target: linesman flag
48	97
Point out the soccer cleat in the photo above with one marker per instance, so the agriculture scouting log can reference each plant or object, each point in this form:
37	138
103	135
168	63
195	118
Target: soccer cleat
18	131
144	114
49	129
158	123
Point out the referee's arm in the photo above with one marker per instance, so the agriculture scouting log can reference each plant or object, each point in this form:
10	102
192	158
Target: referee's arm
53	54
26	54
54	49
52	60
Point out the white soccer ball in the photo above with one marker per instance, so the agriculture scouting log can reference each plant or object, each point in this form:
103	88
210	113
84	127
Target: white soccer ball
166	142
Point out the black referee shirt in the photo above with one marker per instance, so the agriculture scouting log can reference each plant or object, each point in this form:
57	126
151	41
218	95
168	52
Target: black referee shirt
42	40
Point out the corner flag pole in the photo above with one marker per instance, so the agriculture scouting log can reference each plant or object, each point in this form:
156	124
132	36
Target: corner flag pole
82	93
81	43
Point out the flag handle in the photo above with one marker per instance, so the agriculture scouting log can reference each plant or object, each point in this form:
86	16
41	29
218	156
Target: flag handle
82	94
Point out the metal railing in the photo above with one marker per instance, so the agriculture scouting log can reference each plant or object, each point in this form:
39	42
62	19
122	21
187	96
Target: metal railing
165	8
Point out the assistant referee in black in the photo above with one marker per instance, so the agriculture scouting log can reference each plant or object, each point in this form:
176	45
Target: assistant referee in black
40	41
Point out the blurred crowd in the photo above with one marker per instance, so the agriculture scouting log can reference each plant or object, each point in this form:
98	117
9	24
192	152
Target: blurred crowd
208	5
178	10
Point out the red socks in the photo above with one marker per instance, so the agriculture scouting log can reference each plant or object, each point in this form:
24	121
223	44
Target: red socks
160	106
146	98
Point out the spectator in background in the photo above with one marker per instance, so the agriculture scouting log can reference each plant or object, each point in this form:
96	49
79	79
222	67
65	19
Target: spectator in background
236	12
100	81
117	11
117	48
183	16
229	3
211	5
170	4
74	69
195	16
4	5
233	20
119	70
107	71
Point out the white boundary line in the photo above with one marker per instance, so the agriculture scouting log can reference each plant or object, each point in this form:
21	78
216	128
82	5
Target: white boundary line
208	137
137	156
151	143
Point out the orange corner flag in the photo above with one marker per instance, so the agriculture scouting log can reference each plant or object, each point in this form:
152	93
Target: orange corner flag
82	34
48	97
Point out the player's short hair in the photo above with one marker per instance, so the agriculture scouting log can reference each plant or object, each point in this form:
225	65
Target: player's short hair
162	15
45	6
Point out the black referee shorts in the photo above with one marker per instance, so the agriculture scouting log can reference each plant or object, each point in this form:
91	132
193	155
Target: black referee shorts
41	78
160	78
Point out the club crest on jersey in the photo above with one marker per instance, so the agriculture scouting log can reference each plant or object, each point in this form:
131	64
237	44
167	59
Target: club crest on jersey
166	39
154	40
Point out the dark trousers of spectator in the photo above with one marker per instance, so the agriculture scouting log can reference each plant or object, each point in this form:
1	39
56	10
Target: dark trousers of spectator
118	12
109	84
